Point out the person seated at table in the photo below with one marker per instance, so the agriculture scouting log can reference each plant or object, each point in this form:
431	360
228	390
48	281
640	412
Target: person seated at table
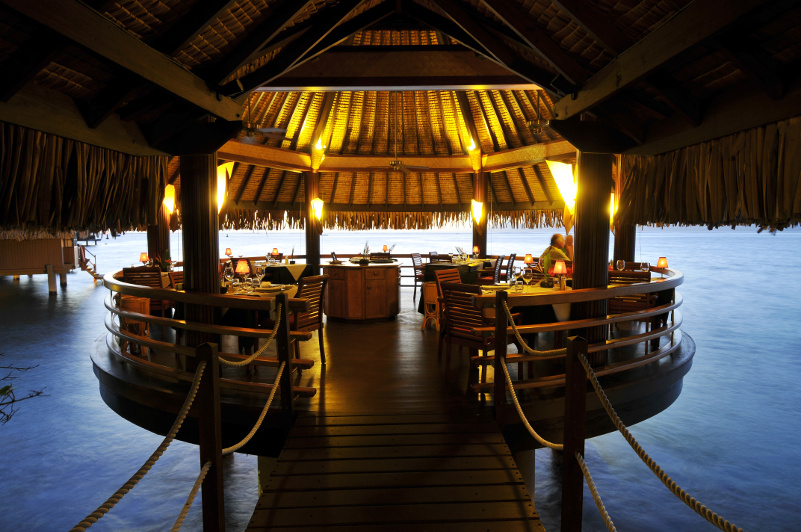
554	252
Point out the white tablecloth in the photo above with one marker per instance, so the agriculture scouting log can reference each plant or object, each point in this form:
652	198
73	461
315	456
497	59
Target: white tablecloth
562	310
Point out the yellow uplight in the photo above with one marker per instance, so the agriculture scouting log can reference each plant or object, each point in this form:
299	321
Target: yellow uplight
317	208
612	209
478	210
223	174
169	198
472	145
563	175
319	145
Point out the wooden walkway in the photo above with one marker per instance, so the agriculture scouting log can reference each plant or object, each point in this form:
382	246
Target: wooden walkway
391	442
395	472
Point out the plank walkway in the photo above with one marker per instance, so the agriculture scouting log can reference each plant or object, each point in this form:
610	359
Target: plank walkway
391	442
411	472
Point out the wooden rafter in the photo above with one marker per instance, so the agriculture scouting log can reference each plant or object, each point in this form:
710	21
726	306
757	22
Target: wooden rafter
511	14
757	65
467	116
541	180
190	25
698	21
245	182
28	60
279	187
596	23
524	181
262	184
91	29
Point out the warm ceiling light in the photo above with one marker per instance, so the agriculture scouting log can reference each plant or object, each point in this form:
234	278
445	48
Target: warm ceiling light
317	208
563	175
242	267
478	210
472	145
169	198
319	145
223	175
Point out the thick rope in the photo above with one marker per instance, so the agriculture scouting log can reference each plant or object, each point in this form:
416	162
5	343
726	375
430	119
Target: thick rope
191	498
543	441
128	486
685	497
610	526
254	356
246	439
523	343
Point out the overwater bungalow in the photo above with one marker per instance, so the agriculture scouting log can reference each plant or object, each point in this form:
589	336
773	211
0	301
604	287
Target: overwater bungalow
408	114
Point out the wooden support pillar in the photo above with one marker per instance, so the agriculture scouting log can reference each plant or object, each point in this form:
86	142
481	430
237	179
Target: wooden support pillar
200	236
575	415
480	185
158	235
591	251
314	227
209	416
625	240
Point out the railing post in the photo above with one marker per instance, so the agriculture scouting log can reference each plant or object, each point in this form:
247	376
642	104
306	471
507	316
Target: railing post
499	390
575	413
210	439
285	355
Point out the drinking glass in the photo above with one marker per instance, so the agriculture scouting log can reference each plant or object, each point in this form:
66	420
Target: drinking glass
250	284
527	276
235	285
621	265
644	266
259	274
519	284
229	273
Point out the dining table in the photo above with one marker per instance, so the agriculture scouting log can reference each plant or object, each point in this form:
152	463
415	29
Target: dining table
561	311
286	273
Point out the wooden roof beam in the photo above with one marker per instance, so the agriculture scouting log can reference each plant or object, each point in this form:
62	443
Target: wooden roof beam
698	21
595	22
758	65
526	155
467	116
190	25
277	17
326	21
28	60
511	14
92	30
245	181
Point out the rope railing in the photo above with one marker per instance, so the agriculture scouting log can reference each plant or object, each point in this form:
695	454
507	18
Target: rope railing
260	351
540	439
262	415
191	497
103	509
674	488
531	351
610	526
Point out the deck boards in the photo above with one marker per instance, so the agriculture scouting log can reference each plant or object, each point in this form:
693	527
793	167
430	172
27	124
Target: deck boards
392	442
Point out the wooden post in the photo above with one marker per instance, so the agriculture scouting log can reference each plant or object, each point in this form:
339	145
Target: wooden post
591	253
500	357
51	279
285	355
313	226
625	240
575	413
208	408
200	237
158	236
480	185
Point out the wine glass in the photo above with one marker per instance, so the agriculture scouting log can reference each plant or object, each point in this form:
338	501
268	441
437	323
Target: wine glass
621	265
259	274
228	272
527	276
235	285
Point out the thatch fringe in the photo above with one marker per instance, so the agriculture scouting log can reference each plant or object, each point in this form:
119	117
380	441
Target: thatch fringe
526	219
55	185
751	177
42	233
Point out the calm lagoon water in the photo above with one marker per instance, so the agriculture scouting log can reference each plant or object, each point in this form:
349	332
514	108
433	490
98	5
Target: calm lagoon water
730	440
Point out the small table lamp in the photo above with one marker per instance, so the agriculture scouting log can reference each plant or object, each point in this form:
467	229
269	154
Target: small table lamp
275	252
560	270
242	268
662	264
143	258
228	252
385	248
529	260
475	252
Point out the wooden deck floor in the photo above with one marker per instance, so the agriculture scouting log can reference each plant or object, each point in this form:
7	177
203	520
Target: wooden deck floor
391	442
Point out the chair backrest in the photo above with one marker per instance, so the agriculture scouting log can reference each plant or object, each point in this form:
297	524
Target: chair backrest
381	255
433	256
417	261
628	277
176	278
496	277
460	313
451	275
144	276
510	264
313	289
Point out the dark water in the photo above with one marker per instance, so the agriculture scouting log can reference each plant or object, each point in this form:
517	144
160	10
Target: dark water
731	439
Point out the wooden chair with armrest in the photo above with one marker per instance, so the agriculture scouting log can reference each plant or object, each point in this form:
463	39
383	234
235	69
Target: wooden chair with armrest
150	277
496	273
140	305
506	275
468	326
450	275
419	272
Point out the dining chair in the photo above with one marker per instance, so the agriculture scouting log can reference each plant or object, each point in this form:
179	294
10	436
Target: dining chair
311	288
149	276
462	319
433	256
139	305
450	275
419	272
496	273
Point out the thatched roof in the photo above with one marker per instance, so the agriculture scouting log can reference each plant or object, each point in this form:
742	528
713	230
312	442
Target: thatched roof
647	77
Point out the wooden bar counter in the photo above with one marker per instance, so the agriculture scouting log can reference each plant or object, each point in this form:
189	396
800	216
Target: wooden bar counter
356	292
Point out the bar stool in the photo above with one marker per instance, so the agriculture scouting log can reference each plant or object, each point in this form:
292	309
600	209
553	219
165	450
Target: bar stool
430	305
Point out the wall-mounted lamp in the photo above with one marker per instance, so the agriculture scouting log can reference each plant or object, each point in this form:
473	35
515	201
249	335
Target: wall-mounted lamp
478	210
317	208
563	175
169	198
223	175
